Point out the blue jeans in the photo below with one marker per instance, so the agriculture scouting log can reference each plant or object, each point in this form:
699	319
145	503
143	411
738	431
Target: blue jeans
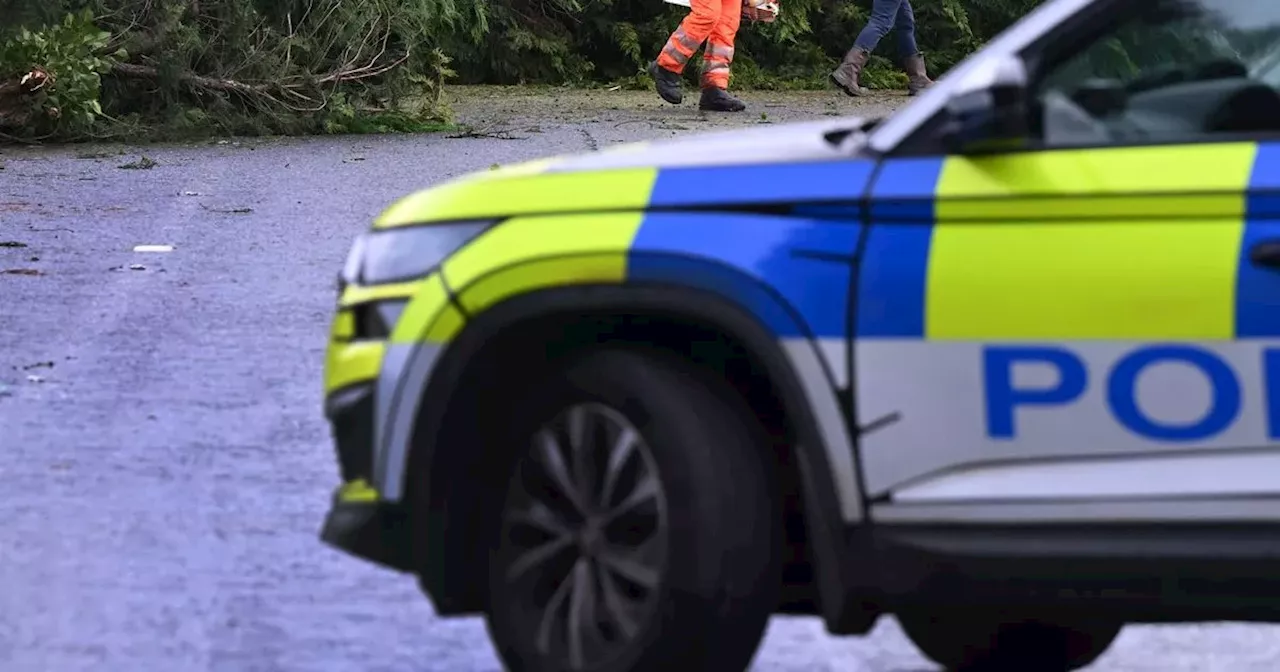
889	15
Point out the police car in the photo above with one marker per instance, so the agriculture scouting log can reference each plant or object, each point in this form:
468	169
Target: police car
1004	365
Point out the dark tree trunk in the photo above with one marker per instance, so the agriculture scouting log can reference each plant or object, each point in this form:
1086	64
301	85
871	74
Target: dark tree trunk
15	97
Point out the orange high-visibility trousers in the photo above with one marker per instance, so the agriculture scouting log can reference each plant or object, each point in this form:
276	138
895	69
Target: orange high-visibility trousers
714	22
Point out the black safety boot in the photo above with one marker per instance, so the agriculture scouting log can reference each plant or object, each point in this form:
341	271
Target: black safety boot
715	99
667	83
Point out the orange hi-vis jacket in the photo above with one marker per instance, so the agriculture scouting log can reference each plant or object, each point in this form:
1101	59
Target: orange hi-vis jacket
714	22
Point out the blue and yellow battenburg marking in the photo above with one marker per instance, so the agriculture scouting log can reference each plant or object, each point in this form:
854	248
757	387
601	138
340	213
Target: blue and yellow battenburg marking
613	226
1130	243
787	271
791	272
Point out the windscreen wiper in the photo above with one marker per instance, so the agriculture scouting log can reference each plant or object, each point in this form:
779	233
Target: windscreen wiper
840	135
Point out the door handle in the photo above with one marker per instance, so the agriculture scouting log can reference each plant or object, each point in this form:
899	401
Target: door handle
1266	253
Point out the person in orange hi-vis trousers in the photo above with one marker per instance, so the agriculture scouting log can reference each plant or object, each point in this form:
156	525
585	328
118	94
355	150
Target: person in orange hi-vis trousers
716	23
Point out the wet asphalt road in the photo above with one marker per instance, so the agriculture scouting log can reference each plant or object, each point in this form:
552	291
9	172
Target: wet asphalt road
164	460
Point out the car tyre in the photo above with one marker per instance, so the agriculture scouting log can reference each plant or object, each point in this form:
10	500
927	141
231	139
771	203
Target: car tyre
973	641
687	577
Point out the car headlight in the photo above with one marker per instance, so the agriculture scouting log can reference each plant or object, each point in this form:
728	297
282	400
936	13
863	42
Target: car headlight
351	267
405	253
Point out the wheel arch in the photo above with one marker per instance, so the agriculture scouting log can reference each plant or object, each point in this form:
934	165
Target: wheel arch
450	496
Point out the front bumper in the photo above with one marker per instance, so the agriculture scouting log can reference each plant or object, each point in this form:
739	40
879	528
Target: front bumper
358	522
373	531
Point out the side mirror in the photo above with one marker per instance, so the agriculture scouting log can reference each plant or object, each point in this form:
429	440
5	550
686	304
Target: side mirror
989	111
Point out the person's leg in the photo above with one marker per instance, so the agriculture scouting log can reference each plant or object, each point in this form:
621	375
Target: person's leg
884	13
717	58
692	32
904	24
909	51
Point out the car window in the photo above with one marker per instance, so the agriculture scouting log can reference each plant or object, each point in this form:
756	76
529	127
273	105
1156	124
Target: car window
1175	71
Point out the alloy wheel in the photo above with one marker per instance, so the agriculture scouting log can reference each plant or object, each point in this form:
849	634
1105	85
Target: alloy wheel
584	537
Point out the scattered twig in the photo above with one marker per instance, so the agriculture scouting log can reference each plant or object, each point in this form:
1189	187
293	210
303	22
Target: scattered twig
486	132
646	122
231	211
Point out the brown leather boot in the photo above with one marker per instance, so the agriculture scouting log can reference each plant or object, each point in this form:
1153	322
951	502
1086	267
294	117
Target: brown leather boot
846	76
917	80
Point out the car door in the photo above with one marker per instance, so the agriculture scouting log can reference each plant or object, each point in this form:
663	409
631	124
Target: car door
1093	319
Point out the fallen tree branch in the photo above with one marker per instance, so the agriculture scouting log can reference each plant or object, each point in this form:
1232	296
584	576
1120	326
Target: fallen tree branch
267	90
251	91
5	137
211	83
361	73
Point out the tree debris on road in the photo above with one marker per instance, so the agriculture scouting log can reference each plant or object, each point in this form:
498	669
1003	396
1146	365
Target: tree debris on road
143	163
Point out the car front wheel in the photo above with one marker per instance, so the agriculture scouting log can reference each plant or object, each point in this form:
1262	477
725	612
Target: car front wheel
640	524
979	640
